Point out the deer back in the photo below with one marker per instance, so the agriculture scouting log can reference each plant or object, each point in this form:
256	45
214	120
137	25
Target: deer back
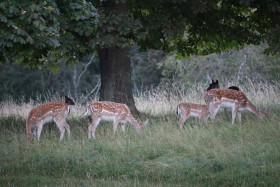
106	108
48	110
226	94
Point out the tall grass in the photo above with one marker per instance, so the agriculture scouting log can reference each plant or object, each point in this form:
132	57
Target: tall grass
165	100
213	154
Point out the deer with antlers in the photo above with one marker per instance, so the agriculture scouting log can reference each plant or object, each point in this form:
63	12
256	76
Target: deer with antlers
186	110
111	111
229	98
51	111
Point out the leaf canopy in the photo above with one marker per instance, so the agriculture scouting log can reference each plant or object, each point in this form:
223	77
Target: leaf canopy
31	30
37	33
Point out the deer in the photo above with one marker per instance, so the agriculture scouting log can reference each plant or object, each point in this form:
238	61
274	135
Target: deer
111	111
215	84
186	110
50	111
236	100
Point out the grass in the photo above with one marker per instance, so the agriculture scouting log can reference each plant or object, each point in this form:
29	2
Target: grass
212	154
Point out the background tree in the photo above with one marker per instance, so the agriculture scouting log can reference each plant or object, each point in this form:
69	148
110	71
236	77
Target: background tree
20	82
144	68
237	66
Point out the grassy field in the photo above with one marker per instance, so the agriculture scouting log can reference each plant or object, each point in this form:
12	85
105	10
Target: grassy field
212	154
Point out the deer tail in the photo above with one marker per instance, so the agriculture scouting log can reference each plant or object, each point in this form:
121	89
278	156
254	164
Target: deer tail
87	111
178	112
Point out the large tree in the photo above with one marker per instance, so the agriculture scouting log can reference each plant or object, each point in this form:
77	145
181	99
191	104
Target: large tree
69	28
187	26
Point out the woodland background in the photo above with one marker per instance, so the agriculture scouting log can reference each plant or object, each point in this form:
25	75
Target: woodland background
149	70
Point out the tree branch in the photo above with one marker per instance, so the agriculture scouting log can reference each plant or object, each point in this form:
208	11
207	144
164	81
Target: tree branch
85	69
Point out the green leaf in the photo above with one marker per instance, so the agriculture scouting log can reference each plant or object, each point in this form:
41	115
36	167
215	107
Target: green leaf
41	27
21	40
4	19
10	24
36	23
54	68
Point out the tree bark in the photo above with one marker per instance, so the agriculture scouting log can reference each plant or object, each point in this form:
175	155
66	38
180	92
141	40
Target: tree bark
116	77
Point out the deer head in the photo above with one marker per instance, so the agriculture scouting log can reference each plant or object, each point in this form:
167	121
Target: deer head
213	85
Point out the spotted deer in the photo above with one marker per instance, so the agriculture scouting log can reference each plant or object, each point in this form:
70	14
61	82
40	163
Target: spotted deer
186	110
237	101
110	111
51	111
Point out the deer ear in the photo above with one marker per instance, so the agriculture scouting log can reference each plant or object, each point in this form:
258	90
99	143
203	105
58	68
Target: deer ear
213	81
216	81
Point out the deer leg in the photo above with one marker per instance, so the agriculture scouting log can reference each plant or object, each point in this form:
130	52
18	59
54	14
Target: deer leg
39	130
29	131
92	127
239	116
90	131
182	121
204	118
123	128
34	132
66	126
214	108
234	111
60	125
183	117
200	118
115	125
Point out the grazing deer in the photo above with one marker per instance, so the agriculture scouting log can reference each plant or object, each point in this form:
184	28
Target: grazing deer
110	111
56	111
215	85
227	98
186	110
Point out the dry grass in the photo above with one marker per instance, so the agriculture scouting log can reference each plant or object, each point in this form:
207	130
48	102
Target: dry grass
216	154
158	101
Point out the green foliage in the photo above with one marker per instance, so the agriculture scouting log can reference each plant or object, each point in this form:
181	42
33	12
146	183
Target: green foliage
33	32
25	25
195	27
265	17
115	28
29	31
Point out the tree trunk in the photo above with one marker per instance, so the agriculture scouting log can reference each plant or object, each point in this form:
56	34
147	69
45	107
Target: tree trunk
116	77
